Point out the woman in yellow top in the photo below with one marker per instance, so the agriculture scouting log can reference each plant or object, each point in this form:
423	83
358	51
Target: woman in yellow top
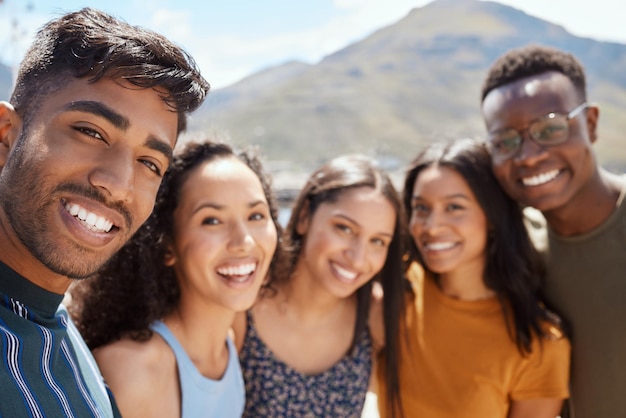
480	342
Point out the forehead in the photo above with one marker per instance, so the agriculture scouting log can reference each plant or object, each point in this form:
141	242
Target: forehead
144	109
439	181
365	205
214	174
529	98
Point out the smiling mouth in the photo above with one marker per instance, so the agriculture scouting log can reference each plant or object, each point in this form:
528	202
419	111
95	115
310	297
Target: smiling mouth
344	273
238	273
438	246
540	179
90	220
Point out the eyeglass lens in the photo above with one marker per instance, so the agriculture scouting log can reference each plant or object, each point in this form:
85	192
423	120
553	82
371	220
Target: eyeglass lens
549	130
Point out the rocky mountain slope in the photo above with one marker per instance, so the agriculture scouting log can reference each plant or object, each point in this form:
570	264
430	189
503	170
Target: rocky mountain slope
415	81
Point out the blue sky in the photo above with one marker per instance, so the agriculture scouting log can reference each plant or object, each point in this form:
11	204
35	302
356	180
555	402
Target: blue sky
231	39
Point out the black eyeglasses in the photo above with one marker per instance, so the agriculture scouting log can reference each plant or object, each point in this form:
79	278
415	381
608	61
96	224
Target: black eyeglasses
551	129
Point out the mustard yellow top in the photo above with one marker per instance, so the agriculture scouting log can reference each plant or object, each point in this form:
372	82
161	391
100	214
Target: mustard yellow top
459	361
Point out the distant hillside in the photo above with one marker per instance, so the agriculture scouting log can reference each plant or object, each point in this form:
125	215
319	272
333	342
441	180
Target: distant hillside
409	83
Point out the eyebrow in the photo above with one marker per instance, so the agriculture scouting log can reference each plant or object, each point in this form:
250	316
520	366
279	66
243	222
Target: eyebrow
349	219
99	109
160	146
451	196
119	121
216	206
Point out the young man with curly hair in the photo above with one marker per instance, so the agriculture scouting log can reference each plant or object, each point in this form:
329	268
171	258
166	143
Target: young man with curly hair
541	130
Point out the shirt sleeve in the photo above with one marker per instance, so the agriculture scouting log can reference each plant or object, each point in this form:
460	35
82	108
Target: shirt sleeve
544	373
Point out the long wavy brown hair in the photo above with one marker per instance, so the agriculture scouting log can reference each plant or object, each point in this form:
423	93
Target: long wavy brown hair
514	269
326	185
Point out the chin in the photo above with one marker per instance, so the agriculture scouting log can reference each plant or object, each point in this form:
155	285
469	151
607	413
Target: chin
548	204
242	305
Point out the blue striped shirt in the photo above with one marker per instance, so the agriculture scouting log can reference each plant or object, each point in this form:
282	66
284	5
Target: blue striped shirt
41	374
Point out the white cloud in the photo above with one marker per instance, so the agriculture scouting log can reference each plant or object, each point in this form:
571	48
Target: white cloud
225	59
17	30
175	24
599	19
354	20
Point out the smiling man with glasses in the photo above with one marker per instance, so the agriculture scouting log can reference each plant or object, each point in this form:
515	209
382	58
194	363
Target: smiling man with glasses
548	130
540	132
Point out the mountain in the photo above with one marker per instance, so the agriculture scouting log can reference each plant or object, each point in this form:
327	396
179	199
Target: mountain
415	81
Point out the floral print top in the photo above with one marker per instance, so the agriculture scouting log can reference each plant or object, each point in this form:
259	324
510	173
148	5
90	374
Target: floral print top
274	389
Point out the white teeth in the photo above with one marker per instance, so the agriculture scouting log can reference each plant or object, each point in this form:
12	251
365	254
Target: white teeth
90	220
347	274
540	178
240	270
72	209
101	223
439	246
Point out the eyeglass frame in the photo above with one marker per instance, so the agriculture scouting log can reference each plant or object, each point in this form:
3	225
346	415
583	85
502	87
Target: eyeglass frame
568	117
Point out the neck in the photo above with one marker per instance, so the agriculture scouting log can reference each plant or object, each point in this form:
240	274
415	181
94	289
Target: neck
466	283
202	331
308	304
591	206
14	254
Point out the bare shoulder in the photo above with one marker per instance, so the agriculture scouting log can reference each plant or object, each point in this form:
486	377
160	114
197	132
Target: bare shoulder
140	373
129	354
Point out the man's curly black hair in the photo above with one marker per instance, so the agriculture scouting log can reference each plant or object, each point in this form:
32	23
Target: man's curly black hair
532	60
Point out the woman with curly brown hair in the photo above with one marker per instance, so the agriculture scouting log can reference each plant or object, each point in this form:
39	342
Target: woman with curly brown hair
158	316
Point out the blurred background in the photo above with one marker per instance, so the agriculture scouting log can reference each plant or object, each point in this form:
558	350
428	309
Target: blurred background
304	81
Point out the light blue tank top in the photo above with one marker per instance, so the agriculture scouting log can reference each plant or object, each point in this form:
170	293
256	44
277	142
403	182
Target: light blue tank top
203	397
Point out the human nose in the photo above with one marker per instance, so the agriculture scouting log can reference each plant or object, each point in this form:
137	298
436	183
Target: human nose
115	174
529	152
240	239
357	254
432	221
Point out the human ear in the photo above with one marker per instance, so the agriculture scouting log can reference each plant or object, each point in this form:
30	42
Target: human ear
10	125
593	113
303	221
169	259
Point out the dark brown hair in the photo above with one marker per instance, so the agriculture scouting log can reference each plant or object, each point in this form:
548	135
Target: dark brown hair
514	270
326	185
94	45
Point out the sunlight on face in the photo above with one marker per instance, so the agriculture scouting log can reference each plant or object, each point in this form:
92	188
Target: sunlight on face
447	223
346	241
225	237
